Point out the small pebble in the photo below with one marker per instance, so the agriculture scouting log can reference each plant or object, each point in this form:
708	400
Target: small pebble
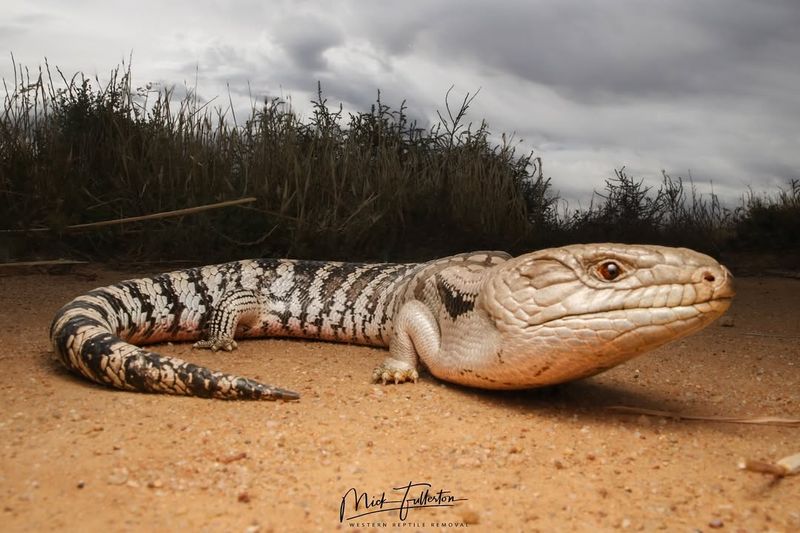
716	523
469	516
118	476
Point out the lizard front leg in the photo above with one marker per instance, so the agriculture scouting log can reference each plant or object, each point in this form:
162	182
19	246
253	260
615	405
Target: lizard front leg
234	307
416	336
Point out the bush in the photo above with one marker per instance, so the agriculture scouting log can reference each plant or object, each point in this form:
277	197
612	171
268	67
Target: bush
365	185
357	186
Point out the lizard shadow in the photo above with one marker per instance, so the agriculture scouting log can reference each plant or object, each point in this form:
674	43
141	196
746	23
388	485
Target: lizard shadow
49	361
590	399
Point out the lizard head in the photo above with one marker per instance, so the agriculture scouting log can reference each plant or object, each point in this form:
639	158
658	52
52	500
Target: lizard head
570	312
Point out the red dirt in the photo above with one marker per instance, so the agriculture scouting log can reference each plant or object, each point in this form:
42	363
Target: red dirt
76	456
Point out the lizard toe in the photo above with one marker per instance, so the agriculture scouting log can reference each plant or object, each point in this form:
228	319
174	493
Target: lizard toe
396	372
216	345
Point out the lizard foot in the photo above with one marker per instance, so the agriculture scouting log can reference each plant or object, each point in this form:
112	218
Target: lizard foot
392	370
217	344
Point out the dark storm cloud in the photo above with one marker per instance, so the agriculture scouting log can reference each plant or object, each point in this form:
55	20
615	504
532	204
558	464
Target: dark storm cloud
587	51
605	50
305	39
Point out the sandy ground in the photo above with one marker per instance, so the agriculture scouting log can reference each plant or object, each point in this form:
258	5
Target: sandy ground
75	456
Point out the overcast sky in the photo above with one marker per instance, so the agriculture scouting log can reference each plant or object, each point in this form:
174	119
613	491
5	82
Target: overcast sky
707	87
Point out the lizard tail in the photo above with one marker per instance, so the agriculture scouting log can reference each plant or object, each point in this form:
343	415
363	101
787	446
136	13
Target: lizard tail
85	344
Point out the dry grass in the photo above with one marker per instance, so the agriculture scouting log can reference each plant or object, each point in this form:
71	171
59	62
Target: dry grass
367	185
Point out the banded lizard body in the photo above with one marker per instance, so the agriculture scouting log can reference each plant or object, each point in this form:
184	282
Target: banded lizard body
481	319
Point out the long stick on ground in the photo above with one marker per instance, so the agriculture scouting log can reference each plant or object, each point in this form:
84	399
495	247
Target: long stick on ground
760	420
50	262
153	216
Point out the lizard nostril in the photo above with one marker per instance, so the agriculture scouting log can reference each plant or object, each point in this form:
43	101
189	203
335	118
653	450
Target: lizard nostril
709	277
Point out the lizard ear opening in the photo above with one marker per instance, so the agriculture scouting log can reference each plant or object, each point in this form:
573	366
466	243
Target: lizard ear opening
540	272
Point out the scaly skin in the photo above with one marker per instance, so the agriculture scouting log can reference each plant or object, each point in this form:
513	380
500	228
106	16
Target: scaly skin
480	319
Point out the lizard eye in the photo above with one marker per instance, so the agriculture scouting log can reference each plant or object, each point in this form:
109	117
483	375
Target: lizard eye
609	270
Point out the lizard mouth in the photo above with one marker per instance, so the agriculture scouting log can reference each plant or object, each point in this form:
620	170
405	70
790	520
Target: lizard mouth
631	318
